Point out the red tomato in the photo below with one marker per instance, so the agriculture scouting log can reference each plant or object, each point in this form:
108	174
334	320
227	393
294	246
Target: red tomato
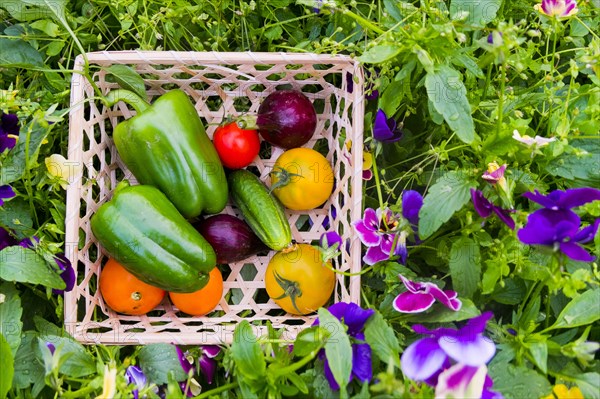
236	147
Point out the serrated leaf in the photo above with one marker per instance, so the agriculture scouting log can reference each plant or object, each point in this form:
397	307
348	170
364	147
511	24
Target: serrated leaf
379	54
128	79
246	353
7	366
274	33
14	165
465	266
383	340
10	316
25	266
448	95
449	194
337	348
157	360
583	310
479	12
17	53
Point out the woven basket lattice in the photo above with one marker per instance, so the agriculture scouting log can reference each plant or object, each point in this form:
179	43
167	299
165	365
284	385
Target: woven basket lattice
219	84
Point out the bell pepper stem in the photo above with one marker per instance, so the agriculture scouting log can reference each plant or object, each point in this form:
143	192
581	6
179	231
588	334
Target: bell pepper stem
128	97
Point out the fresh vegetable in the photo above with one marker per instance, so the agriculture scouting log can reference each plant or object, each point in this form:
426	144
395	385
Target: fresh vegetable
143	231
125	293
298	281
263	212
302	179
165	145
236	147
231	238
202	301
286	118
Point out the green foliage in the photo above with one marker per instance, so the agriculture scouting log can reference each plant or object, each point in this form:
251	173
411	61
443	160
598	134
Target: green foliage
158	361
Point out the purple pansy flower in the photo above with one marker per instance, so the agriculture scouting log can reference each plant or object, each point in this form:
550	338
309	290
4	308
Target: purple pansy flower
494	173
421	296
207	362
136	376
385	232
385	129
9	129
559	229
557	8
355	318
373	93
426	358
50	347
461	381
485	208
330	239
495	38
6	192
186	364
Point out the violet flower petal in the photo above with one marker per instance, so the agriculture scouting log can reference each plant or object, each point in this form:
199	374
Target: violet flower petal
7	142
136	376
545	227
208	367
211	351
338	309
185	364
374	255
567	199
362	367
576	252
588	233
9	124
476	325
6	240
412	201
447	298
482	206
356	317
504	215
412	286
461	381
384	129
408	302
67	274
329	376
422	359
50	347
330	239
6	192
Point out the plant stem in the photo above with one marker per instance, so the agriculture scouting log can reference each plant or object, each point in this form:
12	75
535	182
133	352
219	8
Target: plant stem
217	390
377	182
501	99
295	366
363	22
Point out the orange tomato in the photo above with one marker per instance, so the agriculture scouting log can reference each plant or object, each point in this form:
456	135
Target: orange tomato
125	293
202	301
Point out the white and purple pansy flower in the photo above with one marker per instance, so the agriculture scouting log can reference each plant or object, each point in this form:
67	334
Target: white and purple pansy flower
207	362
557	8
461	381
421	296
427	357
385	232
355	318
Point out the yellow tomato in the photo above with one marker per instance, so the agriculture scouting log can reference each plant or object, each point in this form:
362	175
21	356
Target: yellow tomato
302	179
298	281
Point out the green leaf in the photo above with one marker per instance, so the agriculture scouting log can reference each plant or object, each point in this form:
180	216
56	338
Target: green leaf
465	266
589	383
274	32
309	340
480	12
10	316
46	26
539	352
156	360
337	349
15	216
449	97
17	53
383	340
25	266
246	353
7	366
449	194
128	79
379	54
28	368
442	314
518	382
13	167
390	100
583	310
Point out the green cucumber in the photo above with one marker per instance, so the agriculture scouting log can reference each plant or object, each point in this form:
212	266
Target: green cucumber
263	212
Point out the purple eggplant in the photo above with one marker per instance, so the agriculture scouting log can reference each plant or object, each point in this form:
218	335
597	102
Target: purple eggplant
231	238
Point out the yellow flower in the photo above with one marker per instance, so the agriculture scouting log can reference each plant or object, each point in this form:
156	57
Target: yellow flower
561	391
109	388
62	169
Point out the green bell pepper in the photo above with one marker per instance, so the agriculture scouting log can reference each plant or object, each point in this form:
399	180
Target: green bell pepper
165	145
141	229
